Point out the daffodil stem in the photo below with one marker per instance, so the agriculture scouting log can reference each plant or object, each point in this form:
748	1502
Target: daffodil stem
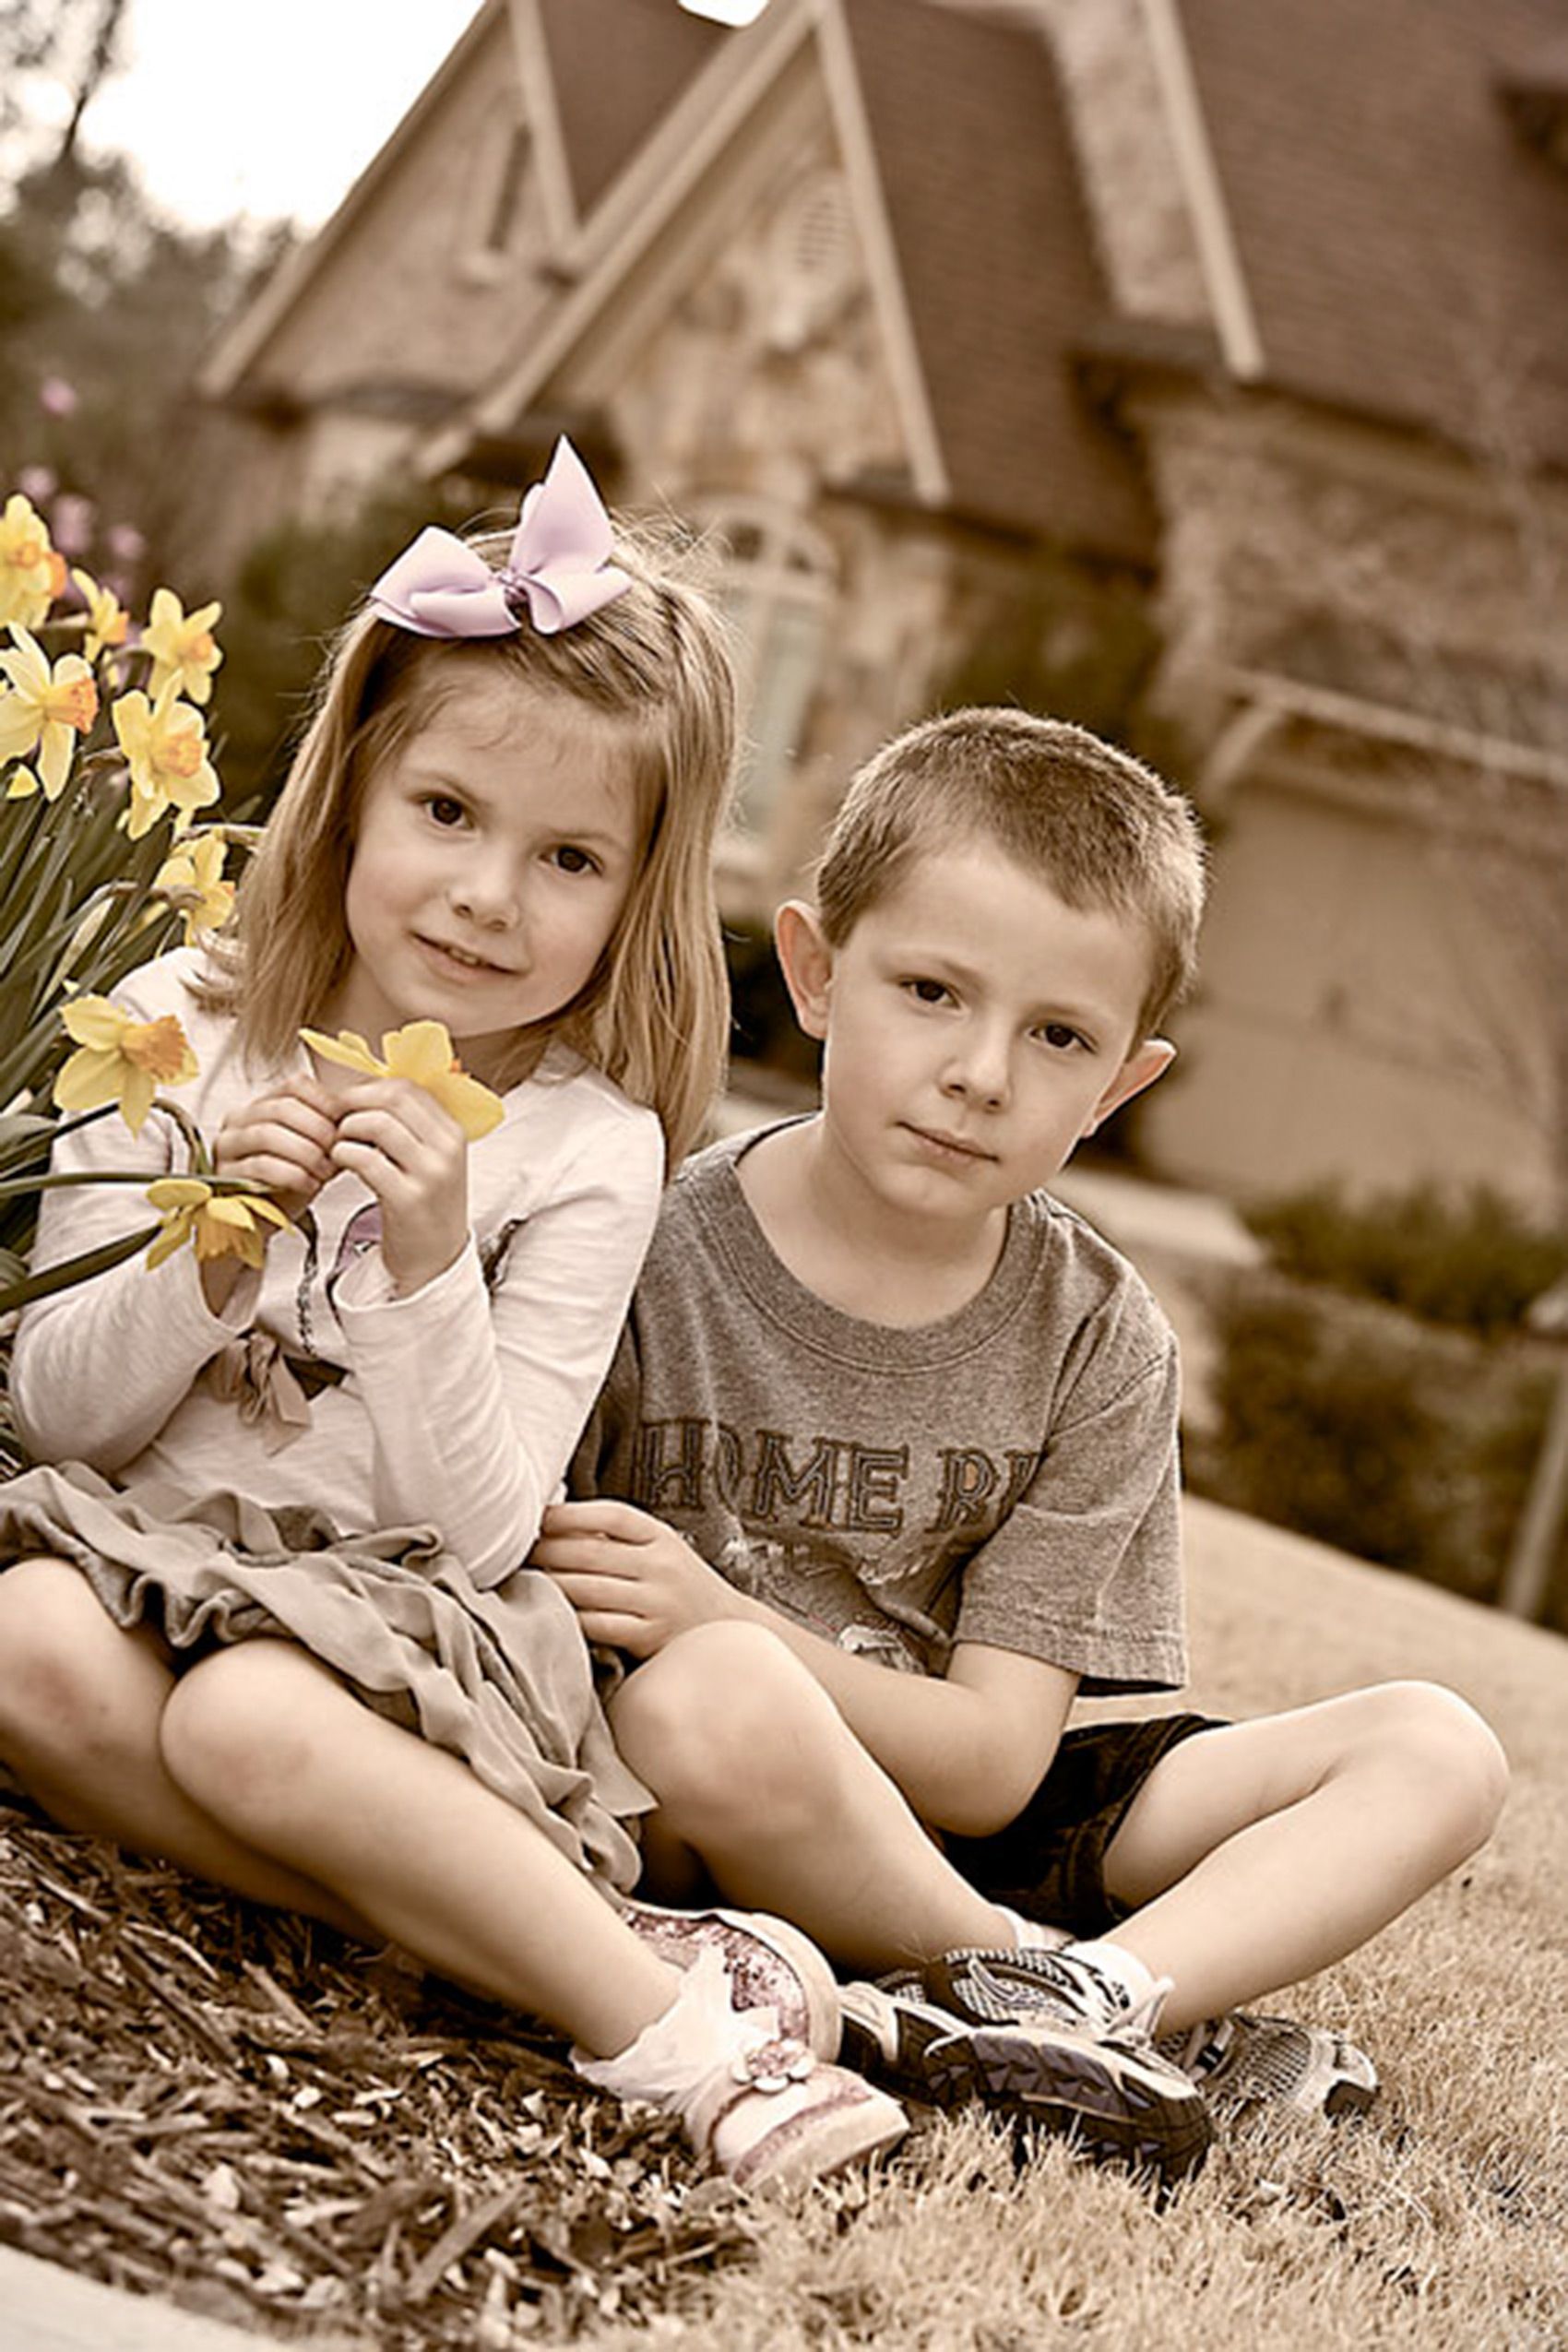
201	1162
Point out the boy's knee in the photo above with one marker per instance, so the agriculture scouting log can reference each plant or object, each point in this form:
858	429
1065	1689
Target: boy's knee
725	1718
1454	1755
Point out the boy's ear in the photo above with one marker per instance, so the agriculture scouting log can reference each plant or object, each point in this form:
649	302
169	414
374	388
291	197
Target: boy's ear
806	961
1141	1068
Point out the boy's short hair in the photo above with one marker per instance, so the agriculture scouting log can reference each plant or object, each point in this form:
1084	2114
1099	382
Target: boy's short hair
1096	824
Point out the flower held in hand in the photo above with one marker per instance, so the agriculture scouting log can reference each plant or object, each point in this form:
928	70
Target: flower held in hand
423	1054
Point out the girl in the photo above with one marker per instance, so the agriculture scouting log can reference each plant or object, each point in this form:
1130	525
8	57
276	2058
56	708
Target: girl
265	1612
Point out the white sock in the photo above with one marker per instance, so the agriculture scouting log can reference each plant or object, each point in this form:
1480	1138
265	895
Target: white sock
1125	1970
1029	1936
670	2059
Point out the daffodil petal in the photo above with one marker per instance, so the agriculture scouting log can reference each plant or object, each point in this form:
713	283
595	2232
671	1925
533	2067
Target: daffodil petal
421	1051
476	1109
178	1191
348	1050
88	1080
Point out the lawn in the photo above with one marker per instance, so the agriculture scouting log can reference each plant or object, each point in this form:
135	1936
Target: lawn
203	2101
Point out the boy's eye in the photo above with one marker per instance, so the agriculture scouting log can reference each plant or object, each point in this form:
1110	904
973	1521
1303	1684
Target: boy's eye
928	992
1061	1035
571	860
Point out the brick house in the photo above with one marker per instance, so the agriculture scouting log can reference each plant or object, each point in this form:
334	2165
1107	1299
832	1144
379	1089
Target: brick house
970	328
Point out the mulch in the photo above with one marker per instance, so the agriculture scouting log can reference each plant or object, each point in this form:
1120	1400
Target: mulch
260	2121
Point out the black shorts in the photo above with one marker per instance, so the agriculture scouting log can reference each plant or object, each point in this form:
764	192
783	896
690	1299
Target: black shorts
1049	1863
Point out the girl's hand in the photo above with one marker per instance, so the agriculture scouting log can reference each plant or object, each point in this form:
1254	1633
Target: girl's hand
414	1157
633	1581
282	1140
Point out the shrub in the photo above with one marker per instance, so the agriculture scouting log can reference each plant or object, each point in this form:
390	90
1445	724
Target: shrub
1467	1259
1369	1430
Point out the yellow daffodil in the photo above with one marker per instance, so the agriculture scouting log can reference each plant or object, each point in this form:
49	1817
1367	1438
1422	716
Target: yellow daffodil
165	743
107	620
217	1225
43	706
23	785
193	877
31	575
422	1053
182	645
120	1059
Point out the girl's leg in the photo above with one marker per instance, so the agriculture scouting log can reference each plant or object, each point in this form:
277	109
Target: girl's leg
80	1704
1257	1855
287	1759
764	1791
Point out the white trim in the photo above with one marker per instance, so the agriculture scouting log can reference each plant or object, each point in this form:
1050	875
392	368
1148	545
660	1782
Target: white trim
634	212
235	348
540	112
1218	257
1383	722
932	482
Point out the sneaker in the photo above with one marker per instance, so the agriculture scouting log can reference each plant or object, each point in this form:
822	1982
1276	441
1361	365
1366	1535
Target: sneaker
1246	2060
769	1963
1046	2041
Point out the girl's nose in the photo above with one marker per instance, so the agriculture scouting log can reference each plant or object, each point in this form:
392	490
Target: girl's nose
487	894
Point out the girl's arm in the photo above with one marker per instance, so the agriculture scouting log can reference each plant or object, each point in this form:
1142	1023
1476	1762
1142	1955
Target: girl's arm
96	1370
476	1392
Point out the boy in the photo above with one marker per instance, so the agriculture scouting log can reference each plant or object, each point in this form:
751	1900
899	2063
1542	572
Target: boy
898	1436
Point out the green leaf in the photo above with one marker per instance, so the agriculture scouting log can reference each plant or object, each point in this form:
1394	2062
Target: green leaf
20	1292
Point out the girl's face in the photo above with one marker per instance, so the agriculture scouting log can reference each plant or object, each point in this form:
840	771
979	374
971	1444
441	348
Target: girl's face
494	853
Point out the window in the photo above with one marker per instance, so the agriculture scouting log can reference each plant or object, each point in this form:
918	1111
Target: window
497	185
777	586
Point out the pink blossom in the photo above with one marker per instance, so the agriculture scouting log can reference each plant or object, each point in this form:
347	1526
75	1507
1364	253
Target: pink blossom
39	483
70	524
57	398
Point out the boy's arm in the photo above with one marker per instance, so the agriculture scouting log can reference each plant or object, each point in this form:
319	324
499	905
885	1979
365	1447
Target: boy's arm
967	1749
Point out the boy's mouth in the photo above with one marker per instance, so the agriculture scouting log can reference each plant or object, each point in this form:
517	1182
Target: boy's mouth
957	1146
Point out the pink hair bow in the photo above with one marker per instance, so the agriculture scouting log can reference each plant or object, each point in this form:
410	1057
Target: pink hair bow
558	562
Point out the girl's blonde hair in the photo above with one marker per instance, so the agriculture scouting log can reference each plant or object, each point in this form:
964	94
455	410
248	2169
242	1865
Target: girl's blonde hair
654	1017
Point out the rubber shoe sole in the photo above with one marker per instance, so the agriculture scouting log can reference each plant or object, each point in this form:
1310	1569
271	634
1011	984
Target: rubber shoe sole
1108	2098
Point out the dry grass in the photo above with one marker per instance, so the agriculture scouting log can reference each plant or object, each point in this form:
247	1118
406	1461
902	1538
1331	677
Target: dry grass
200	2100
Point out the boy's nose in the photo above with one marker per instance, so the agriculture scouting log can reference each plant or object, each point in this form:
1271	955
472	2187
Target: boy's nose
979	1073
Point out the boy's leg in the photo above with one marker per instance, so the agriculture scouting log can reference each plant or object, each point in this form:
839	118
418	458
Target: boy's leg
80	1704
1258	1853
765	1794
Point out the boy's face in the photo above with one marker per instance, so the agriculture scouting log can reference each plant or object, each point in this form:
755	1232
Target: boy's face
975	1027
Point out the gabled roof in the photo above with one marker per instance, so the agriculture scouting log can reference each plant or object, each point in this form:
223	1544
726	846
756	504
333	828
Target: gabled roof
958	162
1405	251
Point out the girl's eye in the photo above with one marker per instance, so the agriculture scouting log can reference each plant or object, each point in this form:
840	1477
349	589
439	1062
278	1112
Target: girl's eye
571	860
444	809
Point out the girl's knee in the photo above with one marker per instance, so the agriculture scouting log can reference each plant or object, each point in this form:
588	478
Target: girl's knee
228	1733
59	1649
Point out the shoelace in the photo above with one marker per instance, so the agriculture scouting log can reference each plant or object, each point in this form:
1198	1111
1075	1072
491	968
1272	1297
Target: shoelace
1064	1997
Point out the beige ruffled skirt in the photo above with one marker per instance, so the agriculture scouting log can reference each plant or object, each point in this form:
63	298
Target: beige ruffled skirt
501	1677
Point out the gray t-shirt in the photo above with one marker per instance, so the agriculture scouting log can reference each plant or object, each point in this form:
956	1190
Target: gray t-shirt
1006	1475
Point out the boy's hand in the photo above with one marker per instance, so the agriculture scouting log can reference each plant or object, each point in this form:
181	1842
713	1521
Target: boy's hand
414	1157
633	1581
